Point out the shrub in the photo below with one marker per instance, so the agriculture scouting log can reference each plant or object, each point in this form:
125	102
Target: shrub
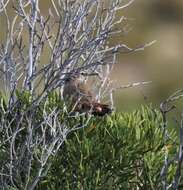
30	135
121	151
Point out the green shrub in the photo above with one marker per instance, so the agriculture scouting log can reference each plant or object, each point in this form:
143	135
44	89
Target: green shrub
121	151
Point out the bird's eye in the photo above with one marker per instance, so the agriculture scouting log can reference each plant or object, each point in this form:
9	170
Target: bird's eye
83	74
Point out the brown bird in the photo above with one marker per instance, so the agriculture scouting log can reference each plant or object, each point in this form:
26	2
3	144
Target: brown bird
81	99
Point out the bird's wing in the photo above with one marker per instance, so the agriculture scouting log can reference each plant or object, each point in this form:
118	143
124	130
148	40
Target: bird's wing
84	93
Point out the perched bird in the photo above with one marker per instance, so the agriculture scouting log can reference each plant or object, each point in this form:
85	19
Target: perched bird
80	97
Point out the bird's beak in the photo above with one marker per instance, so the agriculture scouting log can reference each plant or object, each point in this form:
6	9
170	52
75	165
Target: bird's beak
89	74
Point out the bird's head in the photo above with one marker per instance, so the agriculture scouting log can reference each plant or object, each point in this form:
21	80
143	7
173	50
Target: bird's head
75	76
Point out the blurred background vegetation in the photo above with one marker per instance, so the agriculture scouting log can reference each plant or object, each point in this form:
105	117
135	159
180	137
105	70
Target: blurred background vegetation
161	63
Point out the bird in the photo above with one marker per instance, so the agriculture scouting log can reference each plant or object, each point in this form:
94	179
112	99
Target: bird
81	98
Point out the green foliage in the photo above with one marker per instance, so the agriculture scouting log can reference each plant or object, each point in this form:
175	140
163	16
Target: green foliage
121	151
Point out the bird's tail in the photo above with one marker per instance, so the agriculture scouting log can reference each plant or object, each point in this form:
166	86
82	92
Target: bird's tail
101	109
